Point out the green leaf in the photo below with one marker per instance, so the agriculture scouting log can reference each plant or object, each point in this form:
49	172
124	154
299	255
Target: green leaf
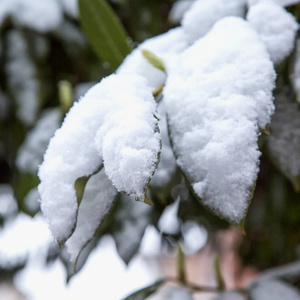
145	292
153	60
104	31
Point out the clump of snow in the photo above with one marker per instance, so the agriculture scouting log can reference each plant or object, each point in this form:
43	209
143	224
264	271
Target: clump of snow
276	27
279	2
168	222
39	15
284	142
8	204
295	75
163	46
167	165
274	290
98	199
203	14
194	237
81	88
113	124
30	154
70	7
216	98
31	201
178	10
230	296
21	76
21	237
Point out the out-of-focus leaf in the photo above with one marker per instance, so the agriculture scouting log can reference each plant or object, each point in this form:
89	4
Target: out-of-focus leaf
131	220
283	144
274	290
145	292
104	31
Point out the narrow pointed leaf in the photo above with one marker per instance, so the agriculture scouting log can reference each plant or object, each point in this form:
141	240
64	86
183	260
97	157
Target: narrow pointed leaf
104	31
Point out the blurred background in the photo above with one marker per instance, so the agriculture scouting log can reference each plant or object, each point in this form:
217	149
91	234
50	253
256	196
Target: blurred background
46	63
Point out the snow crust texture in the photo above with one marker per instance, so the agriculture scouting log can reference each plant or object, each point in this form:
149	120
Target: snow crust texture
216	99
113	124
203	14
276	27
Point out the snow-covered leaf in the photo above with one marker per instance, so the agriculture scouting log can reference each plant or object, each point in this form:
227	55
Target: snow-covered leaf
276	27
216	99
274	290
131	220
145	292
283	144
203	14
104	31
230	296
98	199
113	124
295	72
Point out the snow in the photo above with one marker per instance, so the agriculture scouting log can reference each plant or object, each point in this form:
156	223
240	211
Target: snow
98	199
230	295
8	204
178	10
203	14
167	165
21	237
276	27
71	7
295	75
168	221
216	97
42	16
104	276
113	124
284	142
275	290
164	46
279	2
30	154
21	76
